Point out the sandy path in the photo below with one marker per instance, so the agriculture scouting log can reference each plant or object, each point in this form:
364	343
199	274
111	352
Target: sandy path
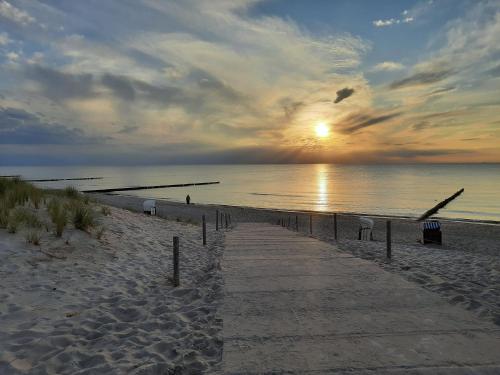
109	307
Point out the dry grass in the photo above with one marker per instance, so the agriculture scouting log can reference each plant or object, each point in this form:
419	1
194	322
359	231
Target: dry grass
58	215
33	237
83	217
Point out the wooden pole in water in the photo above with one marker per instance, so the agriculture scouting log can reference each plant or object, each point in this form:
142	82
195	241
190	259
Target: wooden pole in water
217	220
310	224
335	227
204	230
388	239
176	261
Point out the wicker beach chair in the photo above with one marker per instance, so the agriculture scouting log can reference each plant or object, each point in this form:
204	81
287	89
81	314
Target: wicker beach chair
365	229
431	232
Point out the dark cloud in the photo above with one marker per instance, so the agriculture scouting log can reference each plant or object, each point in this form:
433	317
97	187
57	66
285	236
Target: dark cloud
441	91
20	127
122	87
343	94
59	86
291	107
360	121
422	78
233	130
128	129
208	82
415	153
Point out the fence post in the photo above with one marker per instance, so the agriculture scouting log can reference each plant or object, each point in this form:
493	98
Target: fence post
388	229
297	223
288	222
217	220
335	226
311	224
176	261
204	230
225	217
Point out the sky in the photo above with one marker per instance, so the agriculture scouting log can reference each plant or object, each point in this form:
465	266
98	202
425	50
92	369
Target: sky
127	82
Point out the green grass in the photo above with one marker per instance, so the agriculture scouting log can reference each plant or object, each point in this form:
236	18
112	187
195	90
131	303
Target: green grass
105	210
58	216
71	192
33	237
83	217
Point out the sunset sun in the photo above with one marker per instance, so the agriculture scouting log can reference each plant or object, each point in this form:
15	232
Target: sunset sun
322	130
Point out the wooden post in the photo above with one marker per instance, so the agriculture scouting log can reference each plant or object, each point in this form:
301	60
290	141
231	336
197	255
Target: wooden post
288	222
216	219
389	249
221	220
335	227
229	216
311	224
225	217
204	230
297	223
176	261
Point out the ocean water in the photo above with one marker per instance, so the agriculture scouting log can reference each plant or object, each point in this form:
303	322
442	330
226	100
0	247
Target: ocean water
401	190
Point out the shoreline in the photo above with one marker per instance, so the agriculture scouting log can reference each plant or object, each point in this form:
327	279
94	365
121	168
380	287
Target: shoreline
325	213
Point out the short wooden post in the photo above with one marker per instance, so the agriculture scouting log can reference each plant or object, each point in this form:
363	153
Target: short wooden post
217	220
335	227
204	230
225	217
310	224
297	223
176	261
229	217
288	222
389	249
221	220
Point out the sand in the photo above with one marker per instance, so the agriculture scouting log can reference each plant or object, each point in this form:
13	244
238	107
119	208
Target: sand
465	269
108	305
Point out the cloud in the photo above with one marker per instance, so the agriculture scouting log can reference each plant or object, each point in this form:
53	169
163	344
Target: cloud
18	126
4	39
422	78
60	86
494	72
383	23
14	14
128	129
388	66
356	122
343	94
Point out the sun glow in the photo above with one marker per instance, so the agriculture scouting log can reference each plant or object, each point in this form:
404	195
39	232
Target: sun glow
322	130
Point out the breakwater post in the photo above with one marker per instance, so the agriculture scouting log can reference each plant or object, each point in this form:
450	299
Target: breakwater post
176	261
204	230
388	239
335	234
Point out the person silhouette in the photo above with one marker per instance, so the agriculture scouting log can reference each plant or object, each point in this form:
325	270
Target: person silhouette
188	199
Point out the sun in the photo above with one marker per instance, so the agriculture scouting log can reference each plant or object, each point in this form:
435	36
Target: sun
322	130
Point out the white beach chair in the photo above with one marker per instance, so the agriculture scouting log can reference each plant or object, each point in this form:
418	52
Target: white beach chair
149	207
365	229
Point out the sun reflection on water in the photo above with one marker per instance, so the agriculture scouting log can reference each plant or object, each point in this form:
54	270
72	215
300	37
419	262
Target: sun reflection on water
321	187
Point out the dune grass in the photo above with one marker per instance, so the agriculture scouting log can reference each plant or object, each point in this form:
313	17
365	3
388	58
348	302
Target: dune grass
57	215
83	217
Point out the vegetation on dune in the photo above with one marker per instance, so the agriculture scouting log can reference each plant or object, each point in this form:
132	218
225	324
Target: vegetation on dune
83	217
33	237
105	210
71	192
58	215
22	206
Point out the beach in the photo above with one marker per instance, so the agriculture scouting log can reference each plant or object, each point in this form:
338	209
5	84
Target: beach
82	305
465	269
90	306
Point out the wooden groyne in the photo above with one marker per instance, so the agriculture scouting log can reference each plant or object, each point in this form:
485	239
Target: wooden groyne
110	190
66	179
440	205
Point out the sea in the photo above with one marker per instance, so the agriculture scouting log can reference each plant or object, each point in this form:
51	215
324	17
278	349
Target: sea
395	190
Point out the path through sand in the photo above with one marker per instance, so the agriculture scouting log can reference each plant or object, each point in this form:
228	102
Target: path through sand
296	304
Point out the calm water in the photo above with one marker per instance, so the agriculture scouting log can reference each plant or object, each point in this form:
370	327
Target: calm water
407	190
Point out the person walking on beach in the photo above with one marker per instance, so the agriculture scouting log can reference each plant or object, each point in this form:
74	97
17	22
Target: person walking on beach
188	199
